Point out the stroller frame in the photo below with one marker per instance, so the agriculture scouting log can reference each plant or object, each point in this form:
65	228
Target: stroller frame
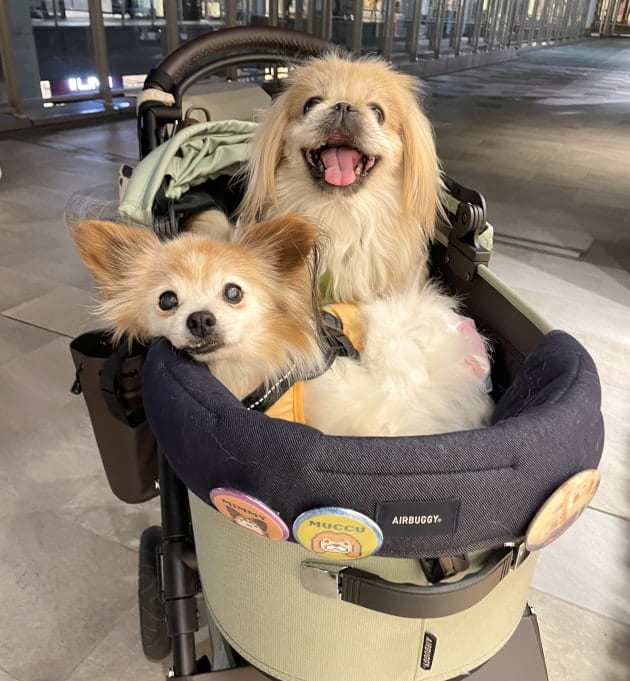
169	580
211	53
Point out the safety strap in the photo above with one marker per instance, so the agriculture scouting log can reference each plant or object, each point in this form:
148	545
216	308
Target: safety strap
335	344
111	376
264	396
437	569
370	591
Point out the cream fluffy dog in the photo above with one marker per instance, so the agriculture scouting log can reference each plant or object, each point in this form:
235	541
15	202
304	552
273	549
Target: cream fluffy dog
246	310
347	145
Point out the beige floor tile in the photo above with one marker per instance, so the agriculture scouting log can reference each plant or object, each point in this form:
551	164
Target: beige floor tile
9	499
26	201
42	249
580	645
97	509
609	352
613	495
119	655
561	238
587	566
17	338
67	310
62	590
18	287
5	677
49	451
42	377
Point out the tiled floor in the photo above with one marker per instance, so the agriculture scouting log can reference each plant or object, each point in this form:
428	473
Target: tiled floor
544	138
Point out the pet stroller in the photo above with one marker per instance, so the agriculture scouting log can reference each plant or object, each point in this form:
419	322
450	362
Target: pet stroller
445	595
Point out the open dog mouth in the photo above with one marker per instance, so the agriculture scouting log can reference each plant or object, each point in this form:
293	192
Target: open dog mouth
338	161
203	347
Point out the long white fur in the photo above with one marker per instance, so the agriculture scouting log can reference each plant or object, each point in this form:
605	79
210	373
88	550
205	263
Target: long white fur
411	380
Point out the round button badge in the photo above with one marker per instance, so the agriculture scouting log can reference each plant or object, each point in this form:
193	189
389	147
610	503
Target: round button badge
340	533
561	509
249	513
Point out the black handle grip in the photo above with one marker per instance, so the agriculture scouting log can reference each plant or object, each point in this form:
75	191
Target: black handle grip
192	57
409	600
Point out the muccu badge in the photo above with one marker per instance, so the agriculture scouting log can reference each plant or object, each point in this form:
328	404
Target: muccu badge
249	513
341	533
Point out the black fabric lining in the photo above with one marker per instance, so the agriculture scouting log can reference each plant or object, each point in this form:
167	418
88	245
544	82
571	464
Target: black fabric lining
407	474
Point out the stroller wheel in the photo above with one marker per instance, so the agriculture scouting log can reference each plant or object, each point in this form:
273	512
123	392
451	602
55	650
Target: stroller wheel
156	643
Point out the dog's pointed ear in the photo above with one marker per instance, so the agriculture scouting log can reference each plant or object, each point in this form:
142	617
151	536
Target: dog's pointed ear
108	249
285	242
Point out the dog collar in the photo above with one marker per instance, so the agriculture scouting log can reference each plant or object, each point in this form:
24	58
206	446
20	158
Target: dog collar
335	344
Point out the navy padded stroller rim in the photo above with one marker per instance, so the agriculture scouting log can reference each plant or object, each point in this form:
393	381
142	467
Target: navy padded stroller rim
546	427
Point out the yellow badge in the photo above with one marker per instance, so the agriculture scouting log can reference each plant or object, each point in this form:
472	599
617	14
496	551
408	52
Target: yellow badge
341	533
561	509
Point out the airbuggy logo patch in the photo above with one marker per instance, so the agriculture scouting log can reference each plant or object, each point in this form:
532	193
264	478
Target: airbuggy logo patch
417	518
428	651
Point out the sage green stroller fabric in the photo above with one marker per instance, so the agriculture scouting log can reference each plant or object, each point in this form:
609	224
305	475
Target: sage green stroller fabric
254	595
199	152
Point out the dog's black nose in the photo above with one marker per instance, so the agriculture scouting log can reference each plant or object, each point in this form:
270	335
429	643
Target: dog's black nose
201	323
344	107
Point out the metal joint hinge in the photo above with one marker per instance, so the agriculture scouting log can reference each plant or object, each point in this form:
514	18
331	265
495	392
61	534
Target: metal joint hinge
464	252
519	554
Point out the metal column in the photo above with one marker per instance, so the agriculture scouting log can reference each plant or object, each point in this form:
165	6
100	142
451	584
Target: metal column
230	13
327	14
564	20
615	14
439	28
477	26
456	38
414	33
357	28
493	11
299	15
8	62
535	25
522	19
510	22
388	30
99	43
172	26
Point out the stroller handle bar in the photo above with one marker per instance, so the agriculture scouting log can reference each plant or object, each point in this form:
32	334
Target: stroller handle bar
188	60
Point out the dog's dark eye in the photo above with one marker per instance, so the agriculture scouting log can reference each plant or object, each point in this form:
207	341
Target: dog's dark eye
311	103
380	115
168	301
233	293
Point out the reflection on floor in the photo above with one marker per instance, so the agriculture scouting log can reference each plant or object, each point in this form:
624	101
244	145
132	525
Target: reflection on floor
544	138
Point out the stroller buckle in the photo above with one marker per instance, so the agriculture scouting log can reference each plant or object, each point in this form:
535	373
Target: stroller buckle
321	579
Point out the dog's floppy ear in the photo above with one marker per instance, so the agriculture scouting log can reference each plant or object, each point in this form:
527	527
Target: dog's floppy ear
108	249
267	150
285	242
421	168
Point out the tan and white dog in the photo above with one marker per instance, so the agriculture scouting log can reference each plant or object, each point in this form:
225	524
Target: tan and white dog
246	310
347	145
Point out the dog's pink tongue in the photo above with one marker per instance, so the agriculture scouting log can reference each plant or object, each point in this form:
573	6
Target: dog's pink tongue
339	163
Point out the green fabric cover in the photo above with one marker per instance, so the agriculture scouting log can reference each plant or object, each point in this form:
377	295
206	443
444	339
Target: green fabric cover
253	592
197	153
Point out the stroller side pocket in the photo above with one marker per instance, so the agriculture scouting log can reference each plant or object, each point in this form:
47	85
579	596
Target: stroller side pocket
110	379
